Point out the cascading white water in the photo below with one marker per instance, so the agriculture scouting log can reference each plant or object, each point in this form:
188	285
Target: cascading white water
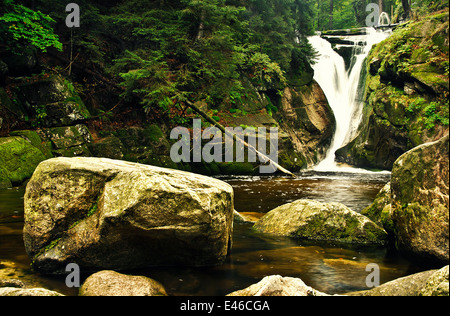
341	88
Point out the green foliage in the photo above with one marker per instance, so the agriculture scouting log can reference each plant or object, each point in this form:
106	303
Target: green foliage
445	66
208	50
410	90
423	7
21	27
259	66
433	115
430	113
347	13
149	78
416	105
41	114
166	52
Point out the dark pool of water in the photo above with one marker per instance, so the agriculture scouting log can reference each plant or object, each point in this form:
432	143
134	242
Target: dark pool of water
262	194
326	267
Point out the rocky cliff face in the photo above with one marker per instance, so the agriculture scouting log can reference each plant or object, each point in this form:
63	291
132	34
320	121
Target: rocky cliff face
308	120
48	113
406	91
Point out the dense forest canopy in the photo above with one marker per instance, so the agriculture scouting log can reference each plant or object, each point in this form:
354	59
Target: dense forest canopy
165	52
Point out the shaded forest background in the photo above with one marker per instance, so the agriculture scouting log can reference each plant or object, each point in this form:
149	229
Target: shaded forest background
159	54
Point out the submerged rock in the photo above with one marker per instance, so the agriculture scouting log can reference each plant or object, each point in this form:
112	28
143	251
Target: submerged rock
111	283
110	214
276	285
310	219
11	283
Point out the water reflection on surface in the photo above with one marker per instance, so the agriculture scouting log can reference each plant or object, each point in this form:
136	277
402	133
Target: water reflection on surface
261	194
326	267
11	205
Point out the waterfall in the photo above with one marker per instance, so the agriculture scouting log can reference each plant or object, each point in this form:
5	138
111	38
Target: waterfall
341	88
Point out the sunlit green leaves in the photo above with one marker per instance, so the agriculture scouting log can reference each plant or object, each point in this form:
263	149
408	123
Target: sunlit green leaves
21	27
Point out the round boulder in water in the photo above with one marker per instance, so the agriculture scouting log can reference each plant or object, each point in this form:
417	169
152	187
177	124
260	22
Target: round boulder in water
309	219
110	214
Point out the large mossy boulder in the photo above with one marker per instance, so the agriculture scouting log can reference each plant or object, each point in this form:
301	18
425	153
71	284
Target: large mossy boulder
313	220
437	284
413	207
5	182
110	214
18	159
420	202
34	139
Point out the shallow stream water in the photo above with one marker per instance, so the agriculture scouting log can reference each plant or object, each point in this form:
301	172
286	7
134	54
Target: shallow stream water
327	267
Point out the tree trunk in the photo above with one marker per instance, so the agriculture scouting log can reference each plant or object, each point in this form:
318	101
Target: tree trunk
261	156
331	15
201	27
318	16
71	51
406	8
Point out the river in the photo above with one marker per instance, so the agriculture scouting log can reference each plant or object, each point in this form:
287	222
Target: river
327	267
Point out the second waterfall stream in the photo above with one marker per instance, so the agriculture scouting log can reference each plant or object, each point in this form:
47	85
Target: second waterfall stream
341	85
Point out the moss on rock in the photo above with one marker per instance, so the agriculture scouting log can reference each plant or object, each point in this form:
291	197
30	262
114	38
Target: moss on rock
18	159
36	141
69	141
308	219
406	94
420	202
110	214
4	180
380	210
